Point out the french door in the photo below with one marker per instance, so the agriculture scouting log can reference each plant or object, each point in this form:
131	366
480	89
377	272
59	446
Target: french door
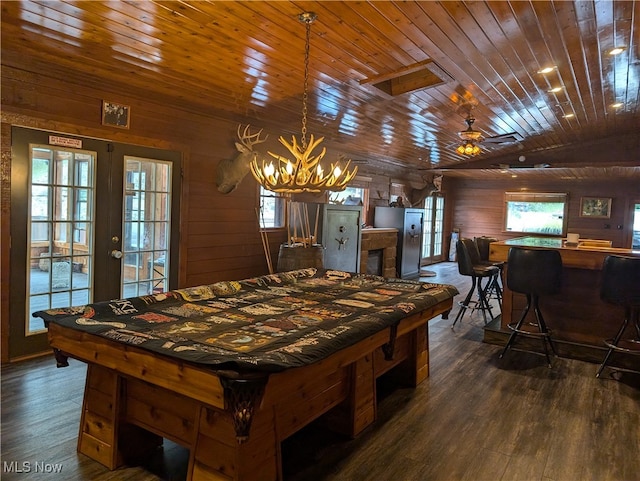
90	221
432	231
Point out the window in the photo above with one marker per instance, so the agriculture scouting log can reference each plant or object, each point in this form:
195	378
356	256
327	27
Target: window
635	241
537	213
272	209
354	194
348	196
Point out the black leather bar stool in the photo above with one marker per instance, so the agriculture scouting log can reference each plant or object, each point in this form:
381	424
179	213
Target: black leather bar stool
467	252
621	286
534	273
494	289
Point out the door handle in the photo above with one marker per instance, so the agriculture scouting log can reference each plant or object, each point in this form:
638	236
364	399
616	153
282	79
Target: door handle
116	254
341	242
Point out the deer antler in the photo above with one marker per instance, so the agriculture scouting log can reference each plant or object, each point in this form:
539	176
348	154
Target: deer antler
230	172
248	139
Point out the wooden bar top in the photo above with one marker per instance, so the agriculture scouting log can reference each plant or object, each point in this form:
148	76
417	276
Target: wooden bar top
578	318
581	256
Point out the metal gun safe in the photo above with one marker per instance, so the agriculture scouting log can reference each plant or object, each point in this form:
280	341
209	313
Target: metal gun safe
337	228
408	221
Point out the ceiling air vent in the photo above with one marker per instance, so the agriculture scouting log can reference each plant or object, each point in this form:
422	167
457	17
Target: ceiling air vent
418	76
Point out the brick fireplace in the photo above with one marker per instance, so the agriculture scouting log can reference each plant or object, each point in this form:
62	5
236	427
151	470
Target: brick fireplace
379	244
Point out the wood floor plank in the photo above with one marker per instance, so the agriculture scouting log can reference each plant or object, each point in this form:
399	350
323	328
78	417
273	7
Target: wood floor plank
477	417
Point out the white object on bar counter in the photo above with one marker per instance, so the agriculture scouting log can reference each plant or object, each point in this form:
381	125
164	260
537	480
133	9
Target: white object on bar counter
573	238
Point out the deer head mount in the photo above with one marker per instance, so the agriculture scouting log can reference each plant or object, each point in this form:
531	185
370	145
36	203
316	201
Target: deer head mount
231	171
417	196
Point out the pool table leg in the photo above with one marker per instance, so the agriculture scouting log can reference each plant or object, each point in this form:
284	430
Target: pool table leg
104	436
218	455
98	437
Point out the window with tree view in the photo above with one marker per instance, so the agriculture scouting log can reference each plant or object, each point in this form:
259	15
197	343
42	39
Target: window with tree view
535	213
272	209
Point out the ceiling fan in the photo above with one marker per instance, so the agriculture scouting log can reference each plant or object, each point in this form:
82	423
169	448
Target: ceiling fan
475	136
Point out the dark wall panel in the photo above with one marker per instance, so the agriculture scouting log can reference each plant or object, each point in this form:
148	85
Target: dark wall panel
478	206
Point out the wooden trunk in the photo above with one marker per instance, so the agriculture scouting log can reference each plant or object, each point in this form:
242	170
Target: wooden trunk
295	257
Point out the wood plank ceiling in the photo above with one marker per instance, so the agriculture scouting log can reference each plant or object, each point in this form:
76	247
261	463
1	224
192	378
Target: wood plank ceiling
244	61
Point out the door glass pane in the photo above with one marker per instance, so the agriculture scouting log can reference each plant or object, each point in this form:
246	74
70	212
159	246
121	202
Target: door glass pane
438	226
60	223
635	242
147	226
427	230
433	227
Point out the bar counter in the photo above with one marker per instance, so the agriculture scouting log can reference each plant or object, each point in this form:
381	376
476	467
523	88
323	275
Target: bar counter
578	318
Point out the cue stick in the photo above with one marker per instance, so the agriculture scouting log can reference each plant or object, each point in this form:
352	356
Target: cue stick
265	242
315	228
307	235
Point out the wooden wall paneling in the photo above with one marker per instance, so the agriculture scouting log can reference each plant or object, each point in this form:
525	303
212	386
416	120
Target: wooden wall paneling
485	217
35	101
5	223
211	222
448	225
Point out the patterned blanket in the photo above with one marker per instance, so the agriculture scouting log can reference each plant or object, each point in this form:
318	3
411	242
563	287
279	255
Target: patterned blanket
267	323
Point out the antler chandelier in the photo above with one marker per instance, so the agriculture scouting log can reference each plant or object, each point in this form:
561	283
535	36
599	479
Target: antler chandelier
469	138
305	173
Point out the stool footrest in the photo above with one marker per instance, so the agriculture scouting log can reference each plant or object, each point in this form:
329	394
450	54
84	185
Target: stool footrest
524	332
469	305
631	346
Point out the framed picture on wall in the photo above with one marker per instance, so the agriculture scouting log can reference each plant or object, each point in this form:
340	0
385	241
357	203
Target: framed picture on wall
596	207
115	115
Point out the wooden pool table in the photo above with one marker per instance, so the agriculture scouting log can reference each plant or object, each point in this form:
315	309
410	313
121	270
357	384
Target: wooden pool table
232	424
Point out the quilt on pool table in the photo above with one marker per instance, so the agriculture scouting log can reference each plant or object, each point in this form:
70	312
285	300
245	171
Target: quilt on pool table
266	323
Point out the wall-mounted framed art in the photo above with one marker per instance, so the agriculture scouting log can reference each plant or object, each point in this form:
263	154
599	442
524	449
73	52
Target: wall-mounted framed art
115	115
595	207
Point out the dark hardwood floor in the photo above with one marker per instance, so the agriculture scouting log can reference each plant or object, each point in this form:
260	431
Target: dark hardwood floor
476	418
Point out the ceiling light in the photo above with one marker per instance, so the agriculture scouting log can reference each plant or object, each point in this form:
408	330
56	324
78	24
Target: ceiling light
617	105
469	138
555	90
468	148
616	50
305	173
567	116
547	70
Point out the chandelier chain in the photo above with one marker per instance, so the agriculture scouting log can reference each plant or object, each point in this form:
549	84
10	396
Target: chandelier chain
305	94
306	171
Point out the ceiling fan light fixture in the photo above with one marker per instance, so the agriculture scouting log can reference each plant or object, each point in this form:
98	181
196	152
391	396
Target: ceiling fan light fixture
469	139
616	50
468	148
470	135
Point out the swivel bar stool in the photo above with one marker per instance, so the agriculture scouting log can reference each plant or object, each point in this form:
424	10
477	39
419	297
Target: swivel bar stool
534	273
621	286
493	289
467	252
